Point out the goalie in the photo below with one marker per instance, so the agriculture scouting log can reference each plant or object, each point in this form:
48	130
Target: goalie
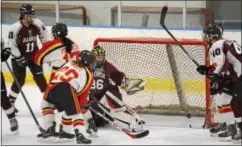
105	89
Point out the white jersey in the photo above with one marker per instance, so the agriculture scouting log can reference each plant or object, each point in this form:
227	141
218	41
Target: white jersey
23	40
54	53
227	57
80	78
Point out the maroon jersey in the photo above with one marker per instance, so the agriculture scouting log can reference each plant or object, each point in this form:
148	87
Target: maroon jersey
23	40
227	57
106	76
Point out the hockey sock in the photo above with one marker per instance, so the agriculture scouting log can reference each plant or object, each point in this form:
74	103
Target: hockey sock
48	117
67	123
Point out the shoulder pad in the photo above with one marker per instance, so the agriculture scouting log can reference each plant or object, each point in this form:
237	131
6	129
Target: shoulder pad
218	44
39	23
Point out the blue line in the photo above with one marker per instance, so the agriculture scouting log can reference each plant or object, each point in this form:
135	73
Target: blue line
137	28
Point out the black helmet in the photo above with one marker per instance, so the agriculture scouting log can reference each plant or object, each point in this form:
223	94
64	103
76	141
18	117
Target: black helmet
59	30
212	31
99	51
26	9
87	58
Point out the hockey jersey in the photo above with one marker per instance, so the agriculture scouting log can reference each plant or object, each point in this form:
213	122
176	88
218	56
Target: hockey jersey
227	57
54	53
80	78
23	40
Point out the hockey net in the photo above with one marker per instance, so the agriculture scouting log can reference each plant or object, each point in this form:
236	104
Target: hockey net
68	14
149	16
173	85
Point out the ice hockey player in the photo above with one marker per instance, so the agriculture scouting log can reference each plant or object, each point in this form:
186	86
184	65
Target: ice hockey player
56	53
69	92
225	76
22	39
5	103
105	88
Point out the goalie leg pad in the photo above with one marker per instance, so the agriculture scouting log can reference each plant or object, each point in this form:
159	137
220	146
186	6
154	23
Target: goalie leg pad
115	92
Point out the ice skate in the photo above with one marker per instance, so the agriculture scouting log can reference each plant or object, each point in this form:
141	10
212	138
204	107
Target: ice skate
13	125
64	136
80	139
228	133
218	128
50	132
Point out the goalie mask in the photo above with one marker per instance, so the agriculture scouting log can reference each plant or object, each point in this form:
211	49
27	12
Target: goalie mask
100	54
212	32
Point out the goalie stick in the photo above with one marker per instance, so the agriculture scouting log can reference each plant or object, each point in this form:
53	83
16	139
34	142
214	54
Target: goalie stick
133	135
25	99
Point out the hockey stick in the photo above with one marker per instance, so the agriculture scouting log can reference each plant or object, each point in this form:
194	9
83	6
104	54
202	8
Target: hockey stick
25	99
162	23
133	135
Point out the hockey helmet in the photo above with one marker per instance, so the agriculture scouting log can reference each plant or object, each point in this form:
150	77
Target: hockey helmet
59	30
211	32
87	58
26	9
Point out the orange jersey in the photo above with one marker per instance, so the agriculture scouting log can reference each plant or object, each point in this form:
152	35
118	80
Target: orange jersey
80	78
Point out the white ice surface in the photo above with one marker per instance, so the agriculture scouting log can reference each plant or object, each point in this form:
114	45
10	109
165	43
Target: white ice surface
164	130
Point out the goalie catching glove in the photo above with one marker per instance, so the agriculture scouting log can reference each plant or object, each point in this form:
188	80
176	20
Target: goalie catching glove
132	86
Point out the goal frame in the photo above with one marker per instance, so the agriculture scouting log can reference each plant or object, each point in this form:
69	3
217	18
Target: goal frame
166	41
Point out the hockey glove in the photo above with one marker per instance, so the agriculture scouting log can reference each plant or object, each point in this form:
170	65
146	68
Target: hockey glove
21	61
205	69
5	53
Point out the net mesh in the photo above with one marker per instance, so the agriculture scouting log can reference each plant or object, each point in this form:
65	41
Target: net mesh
147	58
149	17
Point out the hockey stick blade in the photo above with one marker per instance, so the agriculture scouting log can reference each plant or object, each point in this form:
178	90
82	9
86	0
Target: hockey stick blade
162	23
136	135
163	15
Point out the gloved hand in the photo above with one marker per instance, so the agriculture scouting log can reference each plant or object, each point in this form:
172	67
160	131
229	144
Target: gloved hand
21	61
215	88
5	53
205	69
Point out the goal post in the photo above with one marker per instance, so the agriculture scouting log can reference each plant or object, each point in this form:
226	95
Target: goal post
173	85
